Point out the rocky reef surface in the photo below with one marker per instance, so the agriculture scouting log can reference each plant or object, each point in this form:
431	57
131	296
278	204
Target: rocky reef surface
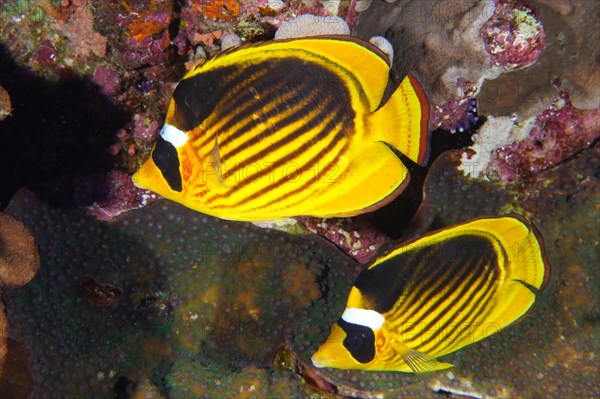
139	297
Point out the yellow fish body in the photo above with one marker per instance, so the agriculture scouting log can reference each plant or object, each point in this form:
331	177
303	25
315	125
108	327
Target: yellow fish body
437	294
288	128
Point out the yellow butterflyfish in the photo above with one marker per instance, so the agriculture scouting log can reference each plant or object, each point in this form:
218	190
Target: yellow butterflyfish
288	128
437	294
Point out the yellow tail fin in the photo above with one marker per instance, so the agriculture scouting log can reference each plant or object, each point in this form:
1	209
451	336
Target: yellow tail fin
522	271
525	265
403	121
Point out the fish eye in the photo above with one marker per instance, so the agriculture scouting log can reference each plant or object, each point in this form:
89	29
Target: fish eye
354	342
166	160
359	341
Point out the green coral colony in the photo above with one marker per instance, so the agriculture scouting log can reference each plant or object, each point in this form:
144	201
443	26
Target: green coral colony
254	105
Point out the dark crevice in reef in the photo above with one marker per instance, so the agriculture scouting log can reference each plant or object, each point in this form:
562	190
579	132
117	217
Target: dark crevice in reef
394	218
57	130
122	387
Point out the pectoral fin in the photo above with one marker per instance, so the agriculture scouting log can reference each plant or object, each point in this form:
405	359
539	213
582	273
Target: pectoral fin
420	362
215	158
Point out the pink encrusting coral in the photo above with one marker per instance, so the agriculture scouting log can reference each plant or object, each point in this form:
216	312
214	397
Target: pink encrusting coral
559	133
356	237
137	31
46	55
457	112
79	30
514	36
455	115
108	79
109	195
145	128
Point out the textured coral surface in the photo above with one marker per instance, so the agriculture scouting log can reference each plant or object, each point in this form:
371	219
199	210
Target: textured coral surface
194	304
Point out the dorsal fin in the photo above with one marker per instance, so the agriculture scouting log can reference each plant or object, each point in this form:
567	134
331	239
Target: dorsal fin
362	65
343	38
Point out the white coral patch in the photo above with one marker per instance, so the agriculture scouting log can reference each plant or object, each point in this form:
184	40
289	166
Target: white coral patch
311	25
230	40
331	7
494	134
362	5
384	45
275	4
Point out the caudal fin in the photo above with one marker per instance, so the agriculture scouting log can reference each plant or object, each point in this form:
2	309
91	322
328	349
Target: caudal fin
525	267
403	121
524	246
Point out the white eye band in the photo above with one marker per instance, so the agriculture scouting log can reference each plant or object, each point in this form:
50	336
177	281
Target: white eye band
173	135
363	317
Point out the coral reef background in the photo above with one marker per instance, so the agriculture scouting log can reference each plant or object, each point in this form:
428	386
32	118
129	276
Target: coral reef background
140	297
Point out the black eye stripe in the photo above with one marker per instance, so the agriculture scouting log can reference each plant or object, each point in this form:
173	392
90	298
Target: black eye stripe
166	159
359	341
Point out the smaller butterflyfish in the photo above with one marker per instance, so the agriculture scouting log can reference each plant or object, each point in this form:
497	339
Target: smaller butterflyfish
437	294
289	128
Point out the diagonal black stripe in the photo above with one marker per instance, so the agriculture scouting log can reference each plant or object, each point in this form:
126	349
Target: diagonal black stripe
453	271
395	274
478	310
471	247
383	287
461	313
430	284
307	78
481	304
300	112
459	283
309	126
243	106
313	180
312	162
267	110
239	83
197	97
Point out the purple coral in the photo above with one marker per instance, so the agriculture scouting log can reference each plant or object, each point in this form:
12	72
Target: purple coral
47	56
147	51
514	36
354	236
108	79
140	35
145	128
456	115
110	195
559	133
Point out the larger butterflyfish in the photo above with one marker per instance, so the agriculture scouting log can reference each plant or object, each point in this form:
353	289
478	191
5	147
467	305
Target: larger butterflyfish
437	294
288	128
